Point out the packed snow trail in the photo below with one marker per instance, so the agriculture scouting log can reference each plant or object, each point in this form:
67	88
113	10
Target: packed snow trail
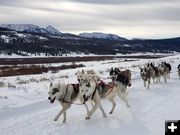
146	116
149	109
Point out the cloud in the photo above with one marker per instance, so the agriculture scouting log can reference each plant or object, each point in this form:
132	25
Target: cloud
121	1
130	18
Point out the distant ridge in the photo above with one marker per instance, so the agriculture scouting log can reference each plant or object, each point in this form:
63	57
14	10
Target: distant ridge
31	28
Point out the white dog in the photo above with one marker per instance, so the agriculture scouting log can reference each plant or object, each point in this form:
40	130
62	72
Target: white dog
93	91
82	77
66	95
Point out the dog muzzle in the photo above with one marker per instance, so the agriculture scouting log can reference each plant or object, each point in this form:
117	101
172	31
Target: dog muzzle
85	98
52	100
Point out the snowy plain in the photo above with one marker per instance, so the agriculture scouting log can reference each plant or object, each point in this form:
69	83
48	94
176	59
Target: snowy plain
25	110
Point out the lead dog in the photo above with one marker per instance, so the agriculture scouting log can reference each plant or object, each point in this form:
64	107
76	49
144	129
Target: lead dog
66	95
93	91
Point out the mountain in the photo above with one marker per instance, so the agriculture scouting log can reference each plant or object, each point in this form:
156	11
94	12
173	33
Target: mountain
31	28
19	27
52	30
100	35
31	39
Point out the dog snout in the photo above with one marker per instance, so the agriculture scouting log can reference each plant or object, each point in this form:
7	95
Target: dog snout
49	98
84	96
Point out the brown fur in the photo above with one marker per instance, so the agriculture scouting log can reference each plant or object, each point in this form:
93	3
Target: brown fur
127	73
164	73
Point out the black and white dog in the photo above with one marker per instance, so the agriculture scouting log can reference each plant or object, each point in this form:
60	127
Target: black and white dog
122	76
66	95
146	75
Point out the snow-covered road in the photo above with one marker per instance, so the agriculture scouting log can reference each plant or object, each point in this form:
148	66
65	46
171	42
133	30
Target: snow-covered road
146	116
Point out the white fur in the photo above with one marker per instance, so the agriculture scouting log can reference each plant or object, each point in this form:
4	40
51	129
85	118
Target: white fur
87	90
84	77
65	92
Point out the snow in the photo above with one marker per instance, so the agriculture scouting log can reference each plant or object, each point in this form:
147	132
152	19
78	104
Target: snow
5	38
25	110
42	38
31	28
52	30
21	35
73	54
101	35
19	27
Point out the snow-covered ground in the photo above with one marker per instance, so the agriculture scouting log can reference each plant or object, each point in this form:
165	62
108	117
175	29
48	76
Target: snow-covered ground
25	110
72	54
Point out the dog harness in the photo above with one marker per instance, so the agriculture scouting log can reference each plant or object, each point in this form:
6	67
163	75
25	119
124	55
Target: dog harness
102	84
111	88
75	88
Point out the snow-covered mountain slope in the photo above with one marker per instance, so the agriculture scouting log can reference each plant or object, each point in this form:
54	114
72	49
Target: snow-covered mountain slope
52	30
25	110
101	36
20	27
31	28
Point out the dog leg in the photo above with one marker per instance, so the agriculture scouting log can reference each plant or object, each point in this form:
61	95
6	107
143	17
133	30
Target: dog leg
158	79
148	84
65	106
113	103
165	79
169	76
102	110
91	103
123	97
64	120
154	80
87	109
144	83
97	101
93	110
86	106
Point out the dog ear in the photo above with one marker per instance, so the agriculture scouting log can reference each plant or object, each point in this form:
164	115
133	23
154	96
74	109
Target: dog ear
82	71
51	84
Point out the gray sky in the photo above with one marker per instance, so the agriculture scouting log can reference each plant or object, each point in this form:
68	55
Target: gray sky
126	18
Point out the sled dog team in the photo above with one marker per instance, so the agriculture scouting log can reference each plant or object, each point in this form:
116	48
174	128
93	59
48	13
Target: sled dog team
150	71
92	88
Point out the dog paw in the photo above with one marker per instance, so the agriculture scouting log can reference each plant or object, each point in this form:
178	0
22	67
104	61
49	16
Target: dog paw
55	119
128	106
87	118
105	116
64	121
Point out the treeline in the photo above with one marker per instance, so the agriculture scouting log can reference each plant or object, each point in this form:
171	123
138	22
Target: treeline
27	44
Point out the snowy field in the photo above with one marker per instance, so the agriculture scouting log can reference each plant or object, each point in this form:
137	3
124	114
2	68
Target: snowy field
25	110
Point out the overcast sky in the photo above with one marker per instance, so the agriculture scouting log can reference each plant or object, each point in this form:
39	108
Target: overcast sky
126	18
